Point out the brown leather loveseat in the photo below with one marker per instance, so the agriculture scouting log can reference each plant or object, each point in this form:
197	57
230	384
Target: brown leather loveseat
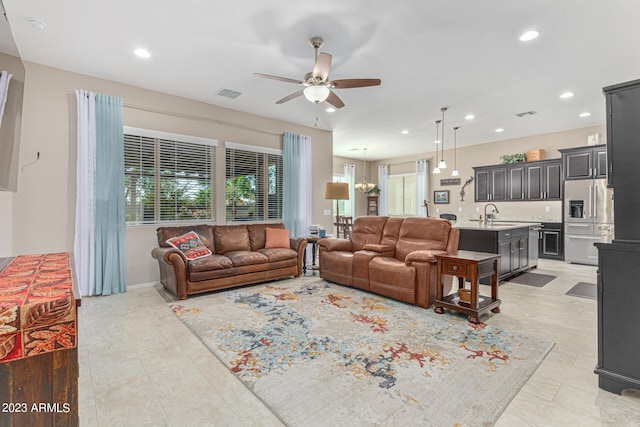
393	257
238	257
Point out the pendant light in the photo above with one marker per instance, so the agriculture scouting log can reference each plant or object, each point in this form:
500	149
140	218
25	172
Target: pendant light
442	164
455	152
437	141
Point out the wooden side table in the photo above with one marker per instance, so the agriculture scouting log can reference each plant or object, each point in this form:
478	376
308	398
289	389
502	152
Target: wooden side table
473	266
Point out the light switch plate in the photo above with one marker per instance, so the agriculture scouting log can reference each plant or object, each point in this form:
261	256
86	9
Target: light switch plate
547	208
477	209
327	211
460	209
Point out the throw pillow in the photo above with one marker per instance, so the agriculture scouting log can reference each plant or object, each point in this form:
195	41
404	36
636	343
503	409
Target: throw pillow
277	238
190	246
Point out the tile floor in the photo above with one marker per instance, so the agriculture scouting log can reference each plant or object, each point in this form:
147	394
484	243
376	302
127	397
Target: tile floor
140	366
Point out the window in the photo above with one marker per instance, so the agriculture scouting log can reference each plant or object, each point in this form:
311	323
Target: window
168	177
401	196
341	204
253	183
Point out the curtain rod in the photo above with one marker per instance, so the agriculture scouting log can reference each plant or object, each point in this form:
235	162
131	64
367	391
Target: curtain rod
199	118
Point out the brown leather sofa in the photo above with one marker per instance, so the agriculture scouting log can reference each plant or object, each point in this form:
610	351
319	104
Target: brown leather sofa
393	257
238	258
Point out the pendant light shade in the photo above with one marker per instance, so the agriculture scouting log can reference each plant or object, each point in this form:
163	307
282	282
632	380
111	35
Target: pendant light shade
455	152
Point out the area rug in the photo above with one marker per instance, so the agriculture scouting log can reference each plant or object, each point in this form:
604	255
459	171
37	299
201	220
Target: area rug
532	279
319	354
583	290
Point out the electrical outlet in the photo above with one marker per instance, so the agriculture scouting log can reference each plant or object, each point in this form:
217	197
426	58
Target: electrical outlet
477	209
460	209
327	211
547	208
437	210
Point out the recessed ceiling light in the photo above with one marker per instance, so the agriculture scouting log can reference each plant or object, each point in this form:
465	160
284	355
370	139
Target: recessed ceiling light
330	110
142	53
405	132
38	25
585	114
469	117
499	130
566	95
529	35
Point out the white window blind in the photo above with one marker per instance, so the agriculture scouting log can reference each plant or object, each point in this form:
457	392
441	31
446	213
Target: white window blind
253	185
168	180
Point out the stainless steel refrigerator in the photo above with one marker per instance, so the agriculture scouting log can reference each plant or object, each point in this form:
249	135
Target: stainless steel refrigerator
588	214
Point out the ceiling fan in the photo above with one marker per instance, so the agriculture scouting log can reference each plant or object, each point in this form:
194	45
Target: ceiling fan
317	86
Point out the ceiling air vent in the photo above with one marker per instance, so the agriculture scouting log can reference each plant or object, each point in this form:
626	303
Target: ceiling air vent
526	113
227	93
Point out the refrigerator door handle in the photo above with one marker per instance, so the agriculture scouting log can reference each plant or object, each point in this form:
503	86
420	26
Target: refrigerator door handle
595	201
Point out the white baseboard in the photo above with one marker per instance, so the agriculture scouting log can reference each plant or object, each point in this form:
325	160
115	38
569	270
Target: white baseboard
142	285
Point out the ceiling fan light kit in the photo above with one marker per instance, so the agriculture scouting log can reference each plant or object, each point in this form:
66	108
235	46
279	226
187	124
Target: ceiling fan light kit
316	94
317	86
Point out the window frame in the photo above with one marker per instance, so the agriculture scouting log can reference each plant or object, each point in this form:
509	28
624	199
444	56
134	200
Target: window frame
265	184
160	137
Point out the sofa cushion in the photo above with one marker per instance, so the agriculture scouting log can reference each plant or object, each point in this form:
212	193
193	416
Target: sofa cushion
213	262
277	238
392	278
205	232
422	234
240	258
367	229
189	245
231	238
257	234
278	254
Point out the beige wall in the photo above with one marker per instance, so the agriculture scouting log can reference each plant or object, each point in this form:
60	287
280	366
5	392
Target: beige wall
43	211
489	154
14	66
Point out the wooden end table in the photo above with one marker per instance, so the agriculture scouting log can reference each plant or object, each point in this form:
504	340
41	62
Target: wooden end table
473	266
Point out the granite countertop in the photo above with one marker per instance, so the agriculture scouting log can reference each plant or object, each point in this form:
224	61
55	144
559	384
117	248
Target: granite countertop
496	226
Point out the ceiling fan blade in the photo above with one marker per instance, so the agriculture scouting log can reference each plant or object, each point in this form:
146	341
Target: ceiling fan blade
322	67
282	79
290	97
351	83
334	100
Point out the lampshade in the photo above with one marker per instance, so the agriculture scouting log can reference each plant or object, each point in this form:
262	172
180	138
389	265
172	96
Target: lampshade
336	191
316	94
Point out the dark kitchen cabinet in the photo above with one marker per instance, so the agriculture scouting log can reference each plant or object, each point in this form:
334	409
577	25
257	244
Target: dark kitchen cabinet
623	145
585	162
512	245
491	183
618	290
544	180
540	180
516	183
618	317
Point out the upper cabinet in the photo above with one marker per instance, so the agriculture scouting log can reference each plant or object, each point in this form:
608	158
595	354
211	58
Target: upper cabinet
491	183
623	145
541	180
585	162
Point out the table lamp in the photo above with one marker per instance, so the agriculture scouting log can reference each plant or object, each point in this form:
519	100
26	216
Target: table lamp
336	191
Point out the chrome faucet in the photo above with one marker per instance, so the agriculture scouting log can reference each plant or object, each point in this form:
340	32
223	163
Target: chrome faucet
495	209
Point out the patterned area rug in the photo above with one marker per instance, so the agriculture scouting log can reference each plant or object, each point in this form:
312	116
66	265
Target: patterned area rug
323	354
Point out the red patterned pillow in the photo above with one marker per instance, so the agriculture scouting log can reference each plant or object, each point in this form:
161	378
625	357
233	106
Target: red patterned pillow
190	246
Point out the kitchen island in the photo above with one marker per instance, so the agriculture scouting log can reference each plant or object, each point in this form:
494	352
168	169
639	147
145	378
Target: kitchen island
516	242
